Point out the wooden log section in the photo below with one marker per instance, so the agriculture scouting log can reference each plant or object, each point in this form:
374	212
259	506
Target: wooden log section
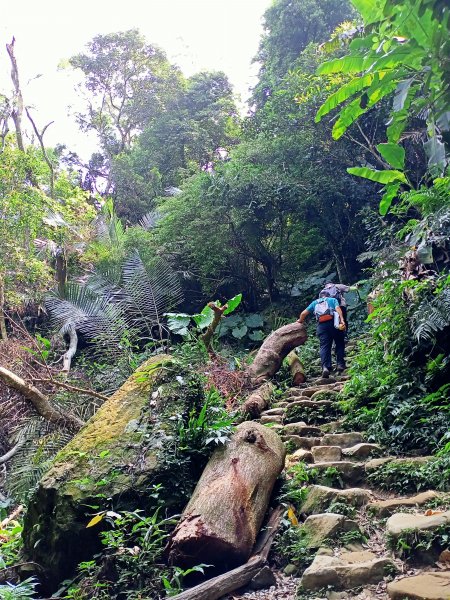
275	349
296	368
232	580
222	519
258	400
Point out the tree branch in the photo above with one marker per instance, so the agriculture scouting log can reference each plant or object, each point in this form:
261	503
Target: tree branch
40	402
40	137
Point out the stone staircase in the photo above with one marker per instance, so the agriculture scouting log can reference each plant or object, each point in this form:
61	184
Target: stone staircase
361	556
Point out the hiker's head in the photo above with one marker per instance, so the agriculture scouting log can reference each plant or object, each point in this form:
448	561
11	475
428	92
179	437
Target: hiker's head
324	294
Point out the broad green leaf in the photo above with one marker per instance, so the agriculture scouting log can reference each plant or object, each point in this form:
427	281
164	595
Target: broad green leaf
443	121
389	194
346	117
239	332
256	336
384	177
95	520
401	94
205	318
347	64
393	154
254	320
343	93
370	10
178	322
232	304
435	150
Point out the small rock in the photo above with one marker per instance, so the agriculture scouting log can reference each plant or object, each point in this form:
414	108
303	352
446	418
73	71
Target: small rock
305	443
428	586
344	440
341	575
271	419
320	497
324	380
326	526
273	411
373	464
383	508
302	429
290	569
399	522
350	472
362	450
326	453
357	556
263	579
298	456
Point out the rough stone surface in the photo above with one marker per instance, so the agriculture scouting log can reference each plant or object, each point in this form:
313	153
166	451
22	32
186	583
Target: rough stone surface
324	380
112	447
271	419
274	411
427	586
326	453
339	574
324	526
399	522
384	508
362	451
350	472
305	443
375	463
299	456
344	440
324	396
301	429
320	497
263	579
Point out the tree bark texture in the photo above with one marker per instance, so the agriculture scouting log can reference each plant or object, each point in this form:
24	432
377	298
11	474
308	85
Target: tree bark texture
218	314
73	344
224	515
18	99
232	580
275	348
258	400
40	402
296	368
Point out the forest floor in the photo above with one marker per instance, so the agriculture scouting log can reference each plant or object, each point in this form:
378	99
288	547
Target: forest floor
362	542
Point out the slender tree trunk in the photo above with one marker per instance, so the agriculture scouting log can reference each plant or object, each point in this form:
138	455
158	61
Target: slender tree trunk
3	332
18	99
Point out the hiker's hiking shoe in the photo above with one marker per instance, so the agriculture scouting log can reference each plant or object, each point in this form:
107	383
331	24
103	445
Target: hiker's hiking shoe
340	368
325	373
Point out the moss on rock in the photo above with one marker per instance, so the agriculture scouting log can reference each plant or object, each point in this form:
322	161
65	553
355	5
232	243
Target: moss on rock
112	463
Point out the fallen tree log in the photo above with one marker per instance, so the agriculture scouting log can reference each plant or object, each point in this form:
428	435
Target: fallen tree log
275	349
258	400
232	580
296	368
40	401
221	521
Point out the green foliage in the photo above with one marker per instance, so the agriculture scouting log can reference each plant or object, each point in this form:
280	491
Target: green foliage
22	591
11	542
412	542
406	477
401	54
294	489
341	508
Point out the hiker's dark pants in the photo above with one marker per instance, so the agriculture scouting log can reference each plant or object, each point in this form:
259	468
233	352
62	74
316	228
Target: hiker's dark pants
327	334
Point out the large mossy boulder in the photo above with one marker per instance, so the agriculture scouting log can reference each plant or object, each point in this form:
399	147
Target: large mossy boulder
125	449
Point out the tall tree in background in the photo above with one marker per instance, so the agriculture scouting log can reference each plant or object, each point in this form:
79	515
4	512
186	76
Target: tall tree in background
289	26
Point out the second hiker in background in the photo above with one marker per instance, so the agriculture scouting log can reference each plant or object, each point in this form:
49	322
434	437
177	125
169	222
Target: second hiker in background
338	291
324	309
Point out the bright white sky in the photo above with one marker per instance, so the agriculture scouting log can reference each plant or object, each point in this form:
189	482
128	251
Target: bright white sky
196	34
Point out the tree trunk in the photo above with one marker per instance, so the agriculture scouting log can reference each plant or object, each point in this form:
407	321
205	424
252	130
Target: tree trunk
18	99
296	368
275	348
258	400
40	402
221	521
3	332
73	344
232	580
218	314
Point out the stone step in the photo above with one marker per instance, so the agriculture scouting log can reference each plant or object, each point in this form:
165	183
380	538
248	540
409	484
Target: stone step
298	456
304	443
302	430
327	453
331	426
384	508
273	411
362	451
324	395
399	523
325	526
324	381
320	497
376	463
309	391
344	440
265	419
349	570
426	586
350	472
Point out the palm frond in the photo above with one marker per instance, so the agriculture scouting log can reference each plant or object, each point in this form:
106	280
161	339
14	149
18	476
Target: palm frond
149	220
431	316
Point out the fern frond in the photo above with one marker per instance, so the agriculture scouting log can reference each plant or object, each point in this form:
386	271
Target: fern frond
431	316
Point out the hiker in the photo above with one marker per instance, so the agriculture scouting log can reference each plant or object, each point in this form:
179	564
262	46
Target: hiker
324	309
337	290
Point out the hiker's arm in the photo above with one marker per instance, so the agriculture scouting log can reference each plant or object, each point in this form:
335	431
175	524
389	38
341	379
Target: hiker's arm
341	316
303	316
